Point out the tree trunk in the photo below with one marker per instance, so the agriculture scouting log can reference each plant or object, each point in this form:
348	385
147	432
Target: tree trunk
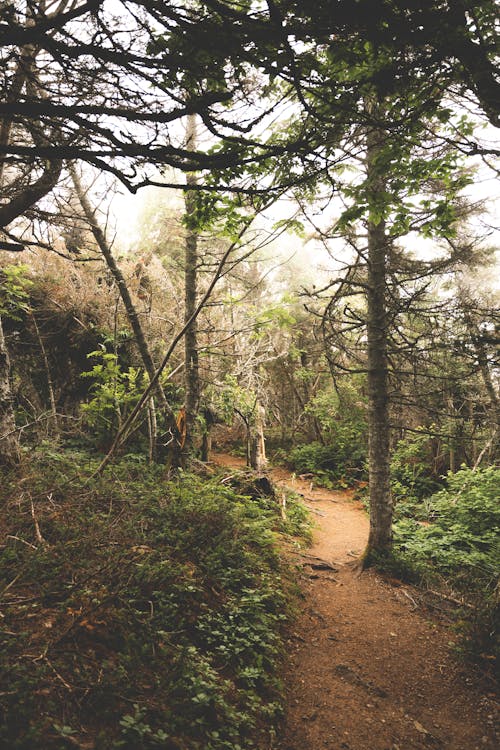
9	443
484	367
303	402
206	444
257	452
26	75
381	505
152	430
48	375
132	315
248	442
191	368
473	445
17	85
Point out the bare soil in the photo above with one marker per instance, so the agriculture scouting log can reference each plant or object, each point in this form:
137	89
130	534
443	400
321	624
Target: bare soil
370	667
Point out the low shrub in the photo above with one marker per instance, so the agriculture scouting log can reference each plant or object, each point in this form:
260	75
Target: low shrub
332	465
461	535
458	546
412	478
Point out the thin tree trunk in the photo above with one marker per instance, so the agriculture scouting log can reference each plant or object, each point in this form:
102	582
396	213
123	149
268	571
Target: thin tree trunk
257	450
248	443
381	505
484	367
9	442
26	75
152	429
284	401
48	375
473	445
18	81
314	420
453	436
124	294
191	370
206	443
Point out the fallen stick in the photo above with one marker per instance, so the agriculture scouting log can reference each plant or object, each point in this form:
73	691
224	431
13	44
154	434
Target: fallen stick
283	506
452	599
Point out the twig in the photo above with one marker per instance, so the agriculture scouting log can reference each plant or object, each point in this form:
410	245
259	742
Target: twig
38	533
475	467
19	539
227	479
408	596
14	580
57	674
485	449
48	374
44	416
452	599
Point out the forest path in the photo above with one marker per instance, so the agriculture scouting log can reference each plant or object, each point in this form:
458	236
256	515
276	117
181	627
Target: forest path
369	668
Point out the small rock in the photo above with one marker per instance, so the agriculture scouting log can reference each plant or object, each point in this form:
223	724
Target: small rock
418	726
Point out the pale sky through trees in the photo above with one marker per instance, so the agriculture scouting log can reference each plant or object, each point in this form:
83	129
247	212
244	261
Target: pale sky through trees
126	209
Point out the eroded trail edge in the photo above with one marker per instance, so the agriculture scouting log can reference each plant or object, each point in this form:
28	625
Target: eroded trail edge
369	668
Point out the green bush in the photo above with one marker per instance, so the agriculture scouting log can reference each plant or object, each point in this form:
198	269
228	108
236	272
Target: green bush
412	479
462	537
332	465
14	294
459	546
143	614
115	391
342	458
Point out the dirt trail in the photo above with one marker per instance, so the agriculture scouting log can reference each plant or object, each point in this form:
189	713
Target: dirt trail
369	668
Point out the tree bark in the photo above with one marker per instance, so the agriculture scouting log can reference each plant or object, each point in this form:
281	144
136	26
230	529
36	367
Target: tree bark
381	505
30	194
191	368
257	446
152	429
18	81
484	367
48	374
206	444
9	443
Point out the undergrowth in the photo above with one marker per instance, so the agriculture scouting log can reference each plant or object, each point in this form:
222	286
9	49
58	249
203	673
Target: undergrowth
335	466
453	543
138	613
